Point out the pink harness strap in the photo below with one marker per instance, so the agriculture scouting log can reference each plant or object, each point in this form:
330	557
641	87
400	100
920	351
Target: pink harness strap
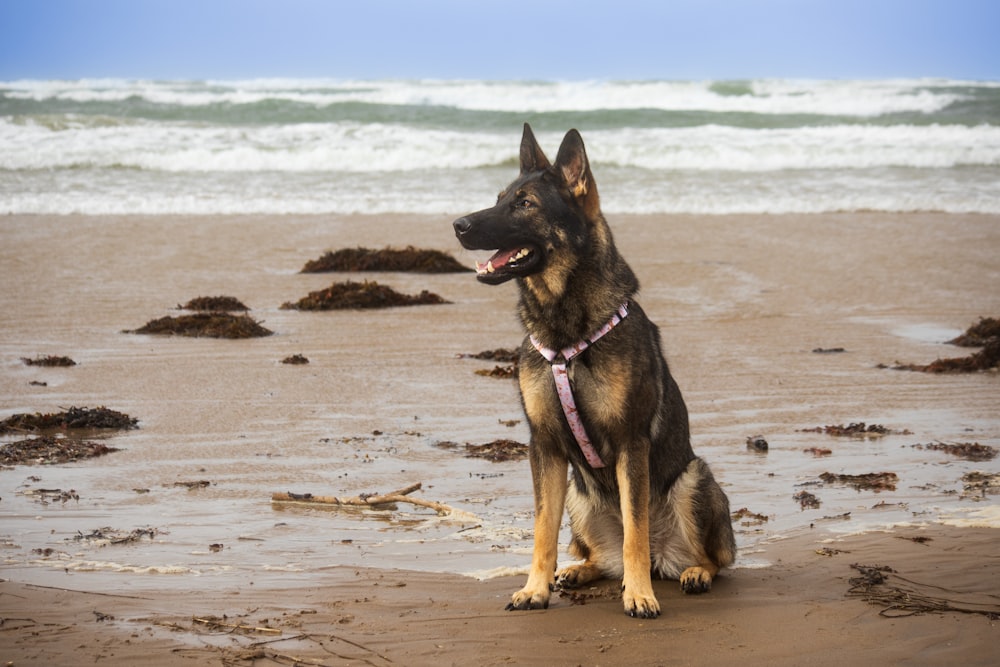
564	390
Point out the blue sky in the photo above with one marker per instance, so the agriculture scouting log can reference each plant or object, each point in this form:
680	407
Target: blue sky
545	39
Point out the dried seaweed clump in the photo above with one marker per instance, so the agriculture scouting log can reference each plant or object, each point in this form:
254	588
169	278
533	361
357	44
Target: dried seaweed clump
501	354
511	356
970	451
806	500
985	334
105	536
295	360
48	450
872	481
748	518
73	418
980	484
224	304
205	325
984	360
978	335
387	259
502	372
855	429
498	451
353	295
906	597
50	360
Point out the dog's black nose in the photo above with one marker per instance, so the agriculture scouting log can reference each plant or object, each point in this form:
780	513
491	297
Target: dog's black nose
462	225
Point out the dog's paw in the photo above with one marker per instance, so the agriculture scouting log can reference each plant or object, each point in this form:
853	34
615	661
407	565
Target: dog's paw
575	576
695	580
525	599
640	606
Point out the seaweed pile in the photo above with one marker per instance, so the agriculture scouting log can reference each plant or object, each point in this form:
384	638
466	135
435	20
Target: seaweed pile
806	500
213	318
855	429
985	334
352	295
206	325
980	484
502	372
970	451
980	334
498	451
48	450
49	361
511	356
73	418
107	535
224	304
748	518
501	354
872	481
387	259
295	360
985	359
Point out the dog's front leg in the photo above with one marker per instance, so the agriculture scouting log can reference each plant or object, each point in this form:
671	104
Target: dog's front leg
632	473
548	476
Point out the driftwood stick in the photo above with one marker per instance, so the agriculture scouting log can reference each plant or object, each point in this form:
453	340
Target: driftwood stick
379	499
398	496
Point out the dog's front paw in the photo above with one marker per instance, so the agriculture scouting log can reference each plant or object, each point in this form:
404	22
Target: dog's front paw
696	580
528	599
640	606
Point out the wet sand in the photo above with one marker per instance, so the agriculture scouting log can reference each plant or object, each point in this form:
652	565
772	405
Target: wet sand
742	302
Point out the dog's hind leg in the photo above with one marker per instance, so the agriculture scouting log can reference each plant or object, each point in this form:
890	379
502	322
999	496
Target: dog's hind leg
698	579
702	511
597	539
574	576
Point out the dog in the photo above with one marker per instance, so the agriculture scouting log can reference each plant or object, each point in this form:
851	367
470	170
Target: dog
598	396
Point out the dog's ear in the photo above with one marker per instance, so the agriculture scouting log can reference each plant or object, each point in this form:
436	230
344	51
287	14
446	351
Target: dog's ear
532	157
572	164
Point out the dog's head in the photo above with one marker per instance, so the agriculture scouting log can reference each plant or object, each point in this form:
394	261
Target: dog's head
548	207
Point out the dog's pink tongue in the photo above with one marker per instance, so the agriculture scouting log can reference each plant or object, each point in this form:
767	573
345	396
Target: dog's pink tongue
499	258
502	257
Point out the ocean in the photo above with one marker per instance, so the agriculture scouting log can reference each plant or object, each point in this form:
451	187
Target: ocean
102	147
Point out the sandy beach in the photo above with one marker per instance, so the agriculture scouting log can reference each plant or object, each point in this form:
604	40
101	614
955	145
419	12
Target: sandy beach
224	576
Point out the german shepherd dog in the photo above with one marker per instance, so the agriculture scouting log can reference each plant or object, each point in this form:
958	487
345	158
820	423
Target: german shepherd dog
640	502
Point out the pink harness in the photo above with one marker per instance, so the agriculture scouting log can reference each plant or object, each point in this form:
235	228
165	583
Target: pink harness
566	392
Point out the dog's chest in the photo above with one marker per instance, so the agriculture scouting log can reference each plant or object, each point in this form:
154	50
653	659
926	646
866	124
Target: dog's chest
600	388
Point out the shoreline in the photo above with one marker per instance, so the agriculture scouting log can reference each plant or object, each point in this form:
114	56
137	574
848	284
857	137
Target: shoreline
797	611
742	301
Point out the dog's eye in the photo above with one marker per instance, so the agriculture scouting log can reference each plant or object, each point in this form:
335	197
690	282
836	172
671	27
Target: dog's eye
525	203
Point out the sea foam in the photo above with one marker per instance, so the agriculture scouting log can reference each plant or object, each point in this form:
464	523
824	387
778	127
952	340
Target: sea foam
104	146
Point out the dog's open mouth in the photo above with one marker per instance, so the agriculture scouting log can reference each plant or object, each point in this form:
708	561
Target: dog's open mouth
506	264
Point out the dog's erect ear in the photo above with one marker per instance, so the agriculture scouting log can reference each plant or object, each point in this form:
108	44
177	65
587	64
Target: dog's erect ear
572	164
532	157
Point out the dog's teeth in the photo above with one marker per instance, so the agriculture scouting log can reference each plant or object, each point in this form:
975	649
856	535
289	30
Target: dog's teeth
489	267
